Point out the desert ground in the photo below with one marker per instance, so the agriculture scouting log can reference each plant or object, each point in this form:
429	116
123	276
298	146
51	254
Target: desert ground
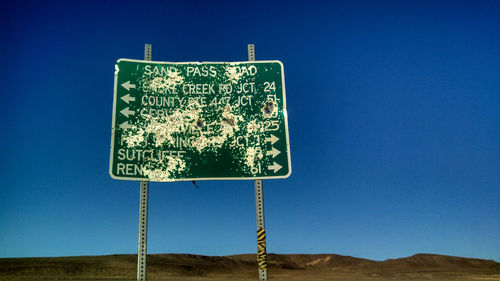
293	267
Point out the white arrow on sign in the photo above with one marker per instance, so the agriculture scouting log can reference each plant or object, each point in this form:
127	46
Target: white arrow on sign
275	167
273	152
272	139
127	85
125	125
127	98
127	112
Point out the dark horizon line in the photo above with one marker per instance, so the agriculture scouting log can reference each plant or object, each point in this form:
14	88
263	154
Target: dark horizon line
269	254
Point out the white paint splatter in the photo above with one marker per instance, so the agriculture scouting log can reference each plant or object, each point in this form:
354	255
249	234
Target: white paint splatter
252	155
174	164
228	125
162	84
164	128
201	142
136	138
233	74
253	127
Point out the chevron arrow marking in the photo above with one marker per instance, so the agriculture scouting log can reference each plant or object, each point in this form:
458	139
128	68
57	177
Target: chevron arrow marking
275	167
272	139
127	112
127	98
274	152
125	125
128	86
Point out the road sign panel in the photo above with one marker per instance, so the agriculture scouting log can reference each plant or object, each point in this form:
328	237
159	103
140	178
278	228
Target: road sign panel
199	121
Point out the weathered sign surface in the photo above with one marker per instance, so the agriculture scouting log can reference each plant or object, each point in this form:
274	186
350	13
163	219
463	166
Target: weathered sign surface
199	121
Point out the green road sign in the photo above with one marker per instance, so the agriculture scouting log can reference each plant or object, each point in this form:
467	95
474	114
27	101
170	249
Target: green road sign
199	121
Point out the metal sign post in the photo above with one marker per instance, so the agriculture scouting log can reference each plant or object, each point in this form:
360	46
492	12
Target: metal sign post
259	206
143	210
143	232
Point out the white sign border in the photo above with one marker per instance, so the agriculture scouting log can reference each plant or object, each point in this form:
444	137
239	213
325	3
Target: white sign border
113	122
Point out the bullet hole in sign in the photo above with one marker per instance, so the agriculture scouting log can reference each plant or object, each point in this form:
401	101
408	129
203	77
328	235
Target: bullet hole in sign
200	123
231	121
268	108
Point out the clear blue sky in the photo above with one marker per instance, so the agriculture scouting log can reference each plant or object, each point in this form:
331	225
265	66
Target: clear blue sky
394	117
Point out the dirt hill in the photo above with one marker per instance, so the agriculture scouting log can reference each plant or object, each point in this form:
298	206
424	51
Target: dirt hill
243	267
